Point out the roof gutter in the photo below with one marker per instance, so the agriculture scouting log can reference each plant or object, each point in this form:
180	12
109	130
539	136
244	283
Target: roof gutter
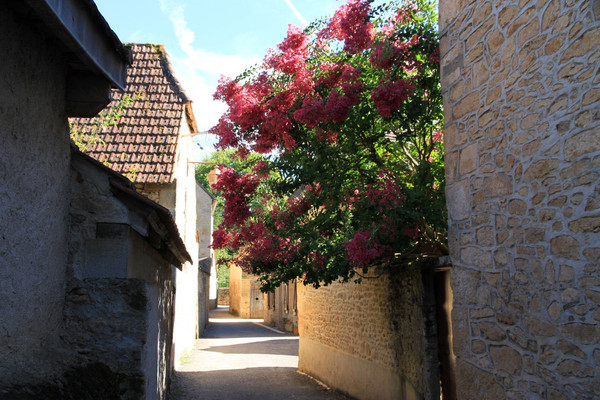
83	30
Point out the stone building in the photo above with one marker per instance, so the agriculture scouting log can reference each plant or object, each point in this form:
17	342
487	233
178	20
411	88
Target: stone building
522	139
281	307
205	208
207	278
75	321
152	144
245	298
119	307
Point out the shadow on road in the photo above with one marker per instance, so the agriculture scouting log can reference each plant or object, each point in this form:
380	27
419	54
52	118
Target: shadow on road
242	359
285	347
249	384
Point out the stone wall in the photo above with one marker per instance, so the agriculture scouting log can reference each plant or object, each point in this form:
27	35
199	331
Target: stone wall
522	138
281	307
370	340
34	171
223	296
245	298
119	304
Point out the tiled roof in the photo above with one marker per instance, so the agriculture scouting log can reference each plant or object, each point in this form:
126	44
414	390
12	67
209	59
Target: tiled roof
143	144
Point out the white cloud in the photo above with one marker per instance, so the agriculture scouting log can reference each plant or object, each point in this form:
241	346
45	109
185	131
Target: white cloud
198	69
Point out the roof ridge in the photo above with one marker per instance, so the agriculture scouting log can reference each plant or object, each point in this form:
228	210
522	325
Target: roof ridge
166	64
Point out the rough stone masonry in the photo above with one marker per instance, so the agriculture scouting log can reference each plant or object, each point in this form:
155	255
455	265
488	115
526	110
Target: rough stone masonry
522	137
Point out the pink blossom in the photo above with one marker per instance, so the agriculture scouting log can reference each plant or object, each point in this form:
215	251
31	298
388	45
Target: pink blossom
337	107
390	96
310	113
411	231
221	239
326	136
362	251
350	24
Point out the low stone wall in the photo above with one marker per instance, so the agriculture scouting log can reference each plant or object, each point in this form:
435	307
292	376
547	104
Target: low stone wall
114	340
223	296
369	340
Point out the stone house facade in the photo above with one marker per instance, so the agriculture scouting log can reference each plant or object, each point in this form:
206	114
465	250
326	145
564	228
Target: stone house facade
522	138
245	298
61	335
152	144
281	307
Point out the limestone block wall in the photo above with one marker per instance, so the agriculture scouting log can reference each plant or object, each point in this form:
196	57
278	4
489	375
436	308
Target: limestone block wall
34	171
368	339
223	296
282	304
522	138
245	297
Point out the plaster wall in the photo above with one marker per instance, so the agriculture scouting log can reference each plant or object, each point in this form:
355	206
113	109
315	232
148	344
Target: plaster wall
34	171
186	279
203	301
368	339
119	303
522	139
235	289
205	223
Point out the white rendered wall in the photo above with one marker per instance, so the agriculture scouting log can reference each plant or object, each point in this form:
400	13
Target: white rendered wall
186	280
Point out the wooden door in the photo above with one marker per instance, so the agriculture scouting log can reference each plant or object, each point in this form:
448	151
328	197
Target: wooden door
256	301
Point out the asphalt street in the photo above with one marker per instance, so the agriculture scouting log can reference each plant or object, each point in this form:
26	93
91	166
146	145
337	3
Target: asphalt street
243	359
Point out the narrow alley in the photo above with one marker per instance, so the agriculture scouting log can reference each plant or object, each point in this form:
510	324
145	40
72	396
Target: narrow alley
242	359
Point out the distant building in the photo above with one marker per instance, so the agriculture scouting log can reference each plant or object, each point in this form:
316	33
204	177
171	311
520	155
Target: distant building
281	307
245	298
207	277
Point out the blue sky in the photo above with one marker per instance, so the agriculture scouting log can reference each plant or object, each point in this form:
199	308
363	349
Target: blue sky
209	38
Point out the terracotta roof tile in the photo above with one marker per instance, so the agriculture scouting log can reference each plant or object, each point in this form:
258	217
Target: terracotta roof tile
145	138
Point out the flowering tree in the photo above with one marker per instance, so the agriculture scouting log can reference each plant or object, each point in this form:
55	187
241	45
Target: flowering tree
349	112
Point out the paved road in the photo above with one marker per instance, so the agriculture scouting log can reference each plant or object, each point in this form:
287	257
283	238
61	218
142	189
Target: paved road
241	359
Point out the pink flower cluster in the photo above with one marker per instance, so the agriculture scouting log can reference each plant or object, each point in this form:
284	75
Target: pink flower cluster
386	194
350	24
390	96
362	251
236	190
335	109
